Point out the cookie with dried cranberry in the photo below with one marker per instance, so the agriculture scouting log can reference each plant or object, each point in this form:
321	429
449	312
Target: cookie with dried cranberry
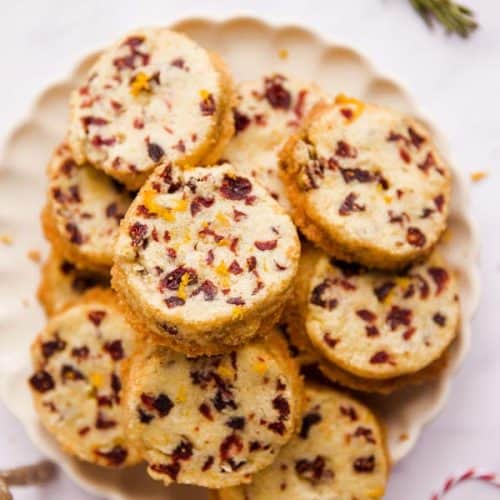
212	421
153	97
339	452
83	212
63	283
78	363
205	258
268	110
367	184
381	325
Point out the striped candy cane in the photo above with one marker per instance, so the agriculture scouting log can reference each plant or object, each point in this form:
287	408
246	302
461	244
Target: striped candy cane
468	475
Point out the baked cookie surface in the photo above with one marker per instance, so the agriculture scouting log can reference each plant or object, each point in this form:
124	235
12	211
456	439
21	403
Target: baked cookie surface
155	96
339	453
83	211
76	385
268	110
212	421
204	258
381	324
63	283
367	184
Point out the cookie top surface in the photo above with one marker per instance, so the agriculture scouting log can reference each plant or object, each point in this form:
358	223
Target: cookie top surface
381	324
371	179
339	453
77	380
153	96
85	207
203	247
212	421
62	283
268	110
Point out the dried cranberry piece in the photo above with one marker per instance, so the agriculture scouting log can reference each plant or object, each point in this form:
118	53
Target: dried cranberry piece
171	470
308	421
251	263
415	237
209	290
277	96
409	333
364	464
235	268
348	269
207	105
383	290
366	315
236	423
93	120
42	381
70	373
277	427
208	463
103	423
350	412
230	446
138	232
317	296
329	340
236	301
115	349
439	319
439	202
366	433
241	121
344	150
50	347
349	205
116	384
440	277
398	316
282	406
173	279
75	236
381	357
235	188
155	152
161	403
266	245
313	470
144	417
80	353
356	174
183	451
200	202
371	331
204	409
96	317
115	457
416	139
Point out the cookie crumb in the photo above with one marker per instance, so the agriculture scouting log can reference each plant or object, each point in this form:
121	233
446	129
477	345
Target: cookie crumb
477	176
6	239
403	437
283	54
34	255
25	302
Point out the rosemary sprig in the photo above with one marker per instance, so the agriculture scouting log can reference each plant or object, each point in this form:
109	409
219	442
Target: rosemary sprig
454	17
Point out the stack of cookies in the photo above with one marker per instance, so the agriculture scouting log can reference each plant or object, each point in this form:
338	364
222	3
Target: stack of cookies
182	305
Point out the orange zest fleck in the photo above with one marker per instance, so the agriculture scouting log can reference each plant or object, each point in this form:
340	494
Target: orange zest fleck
355	105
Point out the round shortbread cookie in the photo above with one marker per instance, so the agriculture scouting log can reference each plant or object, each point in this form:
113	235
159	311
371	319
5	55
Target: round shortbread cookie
153	97
62	283
367	184
268	110
381	325
212	421
83	212
76	386
205	258
339	453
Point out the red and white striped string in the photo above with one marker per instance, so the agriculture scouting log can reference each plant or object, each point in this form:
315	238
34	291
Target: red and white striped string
468	475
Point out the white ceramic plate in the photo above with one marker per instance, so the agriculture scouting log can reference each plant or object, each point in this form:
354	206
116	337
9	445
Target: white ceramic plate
251	48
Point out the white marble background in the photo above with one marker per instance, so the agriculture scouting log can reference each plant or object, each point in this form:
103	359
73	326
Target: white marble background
457	84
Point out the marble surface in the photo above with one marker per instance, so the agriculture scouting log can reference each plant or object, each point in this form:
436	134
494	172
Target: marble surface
455	82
